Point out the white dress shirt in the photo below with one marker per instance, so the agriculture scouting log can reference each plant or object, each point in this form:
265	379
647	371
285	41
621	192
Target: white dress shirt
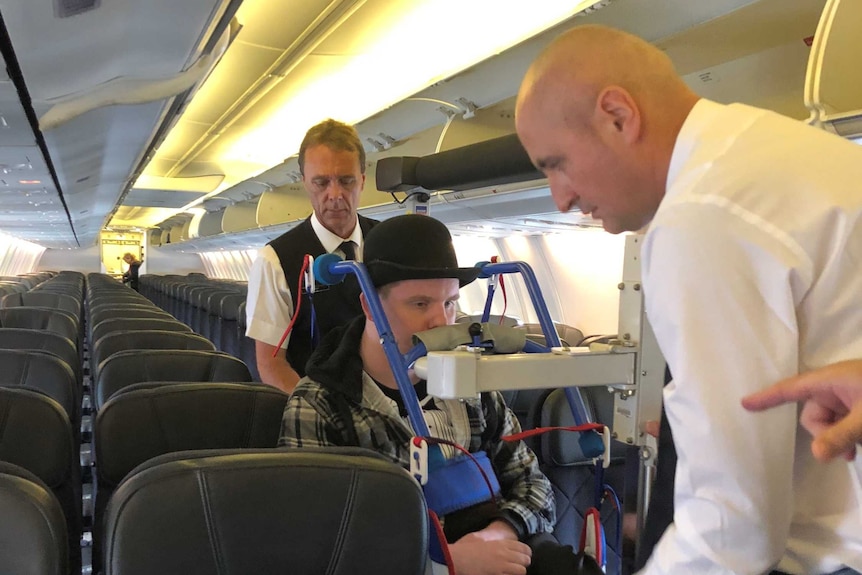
752	270
269	305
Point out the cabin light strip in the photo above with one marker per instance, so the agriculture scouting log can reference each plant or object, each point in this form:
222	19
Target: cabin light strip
412	47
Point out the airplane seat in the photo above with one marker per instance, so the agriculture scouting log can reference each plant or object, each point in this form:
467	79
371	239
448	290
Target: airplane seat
227	339
246	344
136	324
37	435
55	321
104	313
33	525
44	299
211	305
523	404
38	340
43	372
572	476
235	511
117	341
145	420
129	367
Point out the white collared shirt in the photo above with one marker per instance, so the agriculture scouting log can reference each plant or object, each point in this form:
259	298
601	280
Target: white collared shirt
269	305
752	270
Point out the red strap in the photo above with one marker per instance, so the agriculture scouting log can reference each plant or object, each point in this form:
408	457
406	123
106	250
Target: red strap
298	305
541	430
444	545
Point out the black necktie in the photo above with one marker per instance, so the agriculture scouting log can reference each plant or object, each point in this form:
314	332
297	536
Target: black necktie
349	249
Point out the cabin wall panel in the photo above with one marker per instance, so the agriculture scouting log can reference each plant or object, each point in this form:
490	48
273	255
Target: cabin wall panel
163	262
586	267
84	260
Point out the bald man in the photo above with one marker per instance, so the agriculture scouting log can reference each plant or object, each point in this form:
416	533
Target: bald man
751	266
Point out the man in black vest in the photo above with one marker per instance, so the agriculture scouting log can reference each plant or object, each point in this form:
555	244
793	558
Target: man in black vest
332	164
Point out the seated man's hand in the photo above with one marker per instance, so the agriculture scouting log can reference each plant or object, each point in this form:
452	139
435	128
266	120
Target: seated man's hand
475	555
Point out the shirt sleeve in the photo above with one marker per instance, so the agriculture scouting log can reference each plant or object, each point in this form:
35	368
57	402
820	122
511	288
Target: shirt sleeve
721	289
527	498
269	304
307	421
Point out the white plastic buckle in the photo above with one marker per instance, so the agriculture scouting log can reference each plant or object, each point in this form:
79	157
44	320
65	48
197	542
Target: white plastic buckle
419	460
309	275
606	440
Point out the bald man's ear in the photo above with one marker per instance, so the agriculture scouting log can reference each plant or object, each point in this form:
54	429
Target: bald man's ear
617	106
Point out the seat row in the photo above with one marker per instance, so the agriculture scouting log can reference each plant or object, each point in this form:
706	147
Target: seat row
229	511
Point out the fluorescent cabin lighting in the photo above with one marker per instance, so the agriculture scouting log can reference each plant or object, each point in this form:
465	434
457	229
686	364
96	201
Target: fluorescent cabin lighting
421	42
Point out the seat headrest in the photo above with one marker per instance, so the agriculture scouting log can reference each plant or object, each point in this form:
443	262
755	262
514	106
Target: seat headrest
145	420
33	526
267	512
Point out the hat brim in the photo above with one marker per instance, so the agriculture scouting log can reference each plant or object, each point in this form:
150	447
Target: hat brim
383	273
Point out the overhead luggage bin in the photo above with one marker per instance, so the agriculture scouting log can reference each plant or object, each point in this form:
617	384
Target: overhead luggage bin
833	82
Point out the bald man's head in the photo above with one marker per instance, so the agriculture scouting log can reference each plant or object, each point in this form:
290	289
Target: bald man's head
598	112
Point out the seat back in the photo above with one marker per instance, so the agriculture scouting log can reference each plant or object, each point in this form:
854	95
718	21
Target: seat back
135	324
43	299
36	435
34	339
43	372
249	512
145	420
570	473
127	368
148	419
52	320
117	341
33	531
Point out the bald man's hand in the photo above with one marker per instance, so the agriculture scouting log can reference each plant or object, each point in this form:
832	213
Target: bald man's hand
832	409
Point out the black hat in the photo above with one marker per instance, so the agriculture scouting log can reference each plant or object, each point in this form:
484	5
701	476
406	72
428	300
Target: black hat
412	247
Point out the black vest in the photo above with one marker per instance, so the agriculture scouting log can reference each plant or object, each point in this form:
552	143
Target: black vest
333	305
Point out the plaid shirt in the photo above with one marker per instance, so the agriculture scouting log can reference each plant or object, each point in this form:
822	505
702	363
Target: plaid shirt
337	404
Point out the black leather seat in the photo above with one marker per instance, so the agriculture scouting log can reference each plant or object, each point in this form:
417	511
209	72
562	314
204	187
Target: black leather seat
117	341
129	367
33	538
246	344
43	299
135	324
55	321
36	435
303	512
44	372
150	419
34	339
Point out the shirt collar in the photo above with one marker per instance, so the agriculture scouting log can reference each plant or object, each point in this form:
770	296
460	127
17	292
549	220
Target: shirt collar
330	241
697	121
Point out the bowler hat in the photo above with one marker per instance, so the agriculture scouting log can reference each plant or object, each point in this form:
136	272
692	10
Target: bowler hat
412	247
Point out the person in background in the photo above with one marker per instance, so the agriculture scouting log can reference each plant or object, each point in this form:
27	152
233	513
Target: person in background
750	268
130	276
831	409
332	164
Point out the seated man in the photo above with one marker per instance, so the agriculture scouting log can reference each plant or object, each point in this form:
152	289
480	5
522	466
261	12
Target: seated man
349	398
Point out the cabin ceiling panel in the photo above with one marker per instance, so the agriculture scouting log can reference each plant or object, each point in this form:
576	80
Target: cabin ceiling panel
160	198
755	28
240	68
691	32
742	80
119	38
94	154
277	23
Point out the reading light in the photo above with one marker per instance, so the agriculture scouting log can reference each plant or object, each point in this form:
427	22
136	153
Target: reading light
424	41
